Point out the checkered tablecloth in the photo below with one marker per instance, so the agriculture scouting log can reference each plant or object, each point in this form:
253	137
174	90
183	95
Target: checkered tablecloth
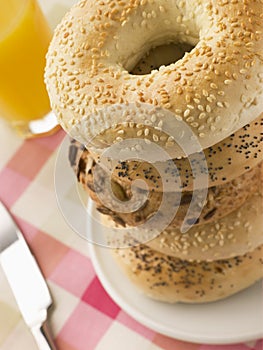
83	316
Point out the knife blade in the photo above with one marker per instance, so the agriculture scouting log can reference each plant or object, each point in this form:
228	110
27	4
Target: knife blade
25	279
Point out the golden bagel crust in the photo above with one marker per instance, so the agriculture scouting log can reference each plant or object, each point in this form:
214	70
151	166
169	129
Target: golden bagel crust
215	89
226	161
221	200
172	280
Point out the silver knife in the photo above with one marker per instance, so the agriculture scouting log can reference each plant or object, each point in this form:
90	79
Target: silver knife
26	281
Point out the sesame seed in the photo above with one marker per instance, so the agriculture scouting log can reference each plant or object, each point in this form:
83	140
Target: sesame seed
213	86
187	113
153	118
178	117
155	138
208	109
139	125
202	115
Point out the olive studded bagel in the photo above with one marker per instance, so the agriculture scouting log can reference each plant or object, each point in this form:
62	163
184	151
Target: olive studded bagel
169	279
235	234
215	89
220	200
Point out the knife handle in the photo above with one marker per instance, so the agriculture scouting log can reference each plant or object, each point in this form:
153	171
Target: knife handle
43	337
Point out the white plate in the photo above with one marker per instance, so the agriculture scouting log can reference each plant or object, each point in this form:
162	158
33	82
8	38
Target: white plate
235	319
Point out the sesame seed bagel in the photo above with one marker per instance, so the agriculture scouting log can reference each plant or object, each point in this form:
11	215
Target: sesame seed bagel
215	89
220	200
226	161
239	232
172	280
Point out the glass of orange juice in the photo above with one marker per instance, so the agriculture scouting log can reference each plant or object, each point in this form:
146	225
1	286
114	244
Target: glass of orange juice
24	39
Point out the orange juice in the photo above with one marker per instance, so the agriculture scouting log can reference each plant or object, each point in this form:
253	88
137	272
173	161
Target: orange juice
24	40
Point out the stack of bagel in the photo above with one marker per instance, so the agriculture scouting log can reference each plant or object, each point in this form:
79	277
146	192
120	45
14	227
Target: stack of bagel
221	254
216	89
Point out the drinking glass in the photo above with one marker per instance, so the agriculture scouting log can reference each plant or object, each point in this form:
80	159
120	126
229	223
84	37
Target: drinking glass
24	39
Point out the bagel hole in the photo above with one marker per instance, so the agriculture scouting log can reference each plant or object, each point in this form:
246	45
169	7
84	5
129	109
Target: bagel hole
162	55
